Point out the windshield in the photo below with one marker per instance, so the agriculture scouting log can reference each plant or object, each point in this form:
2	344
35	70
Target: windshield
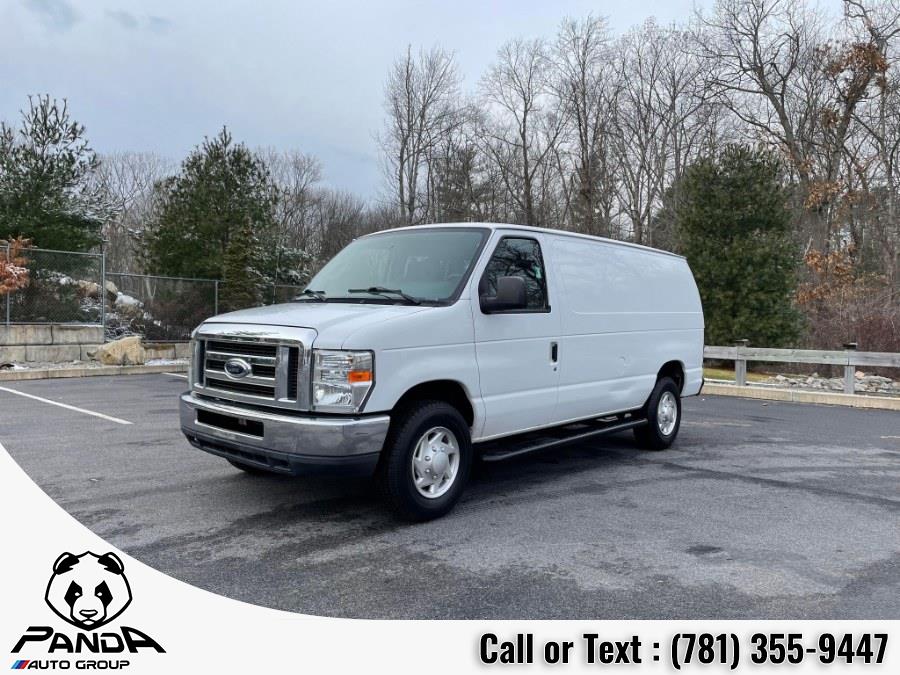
428	264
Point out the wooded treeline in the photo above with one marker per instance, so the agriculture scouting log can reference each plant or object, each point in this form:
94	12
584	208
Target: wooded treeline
590	131
593	132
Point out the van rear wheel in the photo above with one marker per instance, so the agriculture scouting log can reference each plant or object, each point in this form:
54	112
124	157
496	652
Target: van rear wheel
426	460
663	410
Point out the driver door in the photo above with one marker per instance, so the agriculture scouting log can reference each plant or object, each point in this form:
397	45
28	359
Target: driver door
517	350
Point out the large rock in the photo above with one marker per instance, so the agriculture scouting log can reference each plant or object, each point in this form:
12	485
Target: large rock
111	292
88	289
125	352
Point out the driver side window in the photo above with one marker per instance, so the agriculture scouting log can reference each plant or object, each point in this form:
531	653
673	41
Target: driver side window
518	257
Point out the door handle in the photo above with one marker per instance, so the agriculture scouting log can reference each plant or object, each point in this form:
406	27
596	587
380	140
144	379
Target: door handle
554	352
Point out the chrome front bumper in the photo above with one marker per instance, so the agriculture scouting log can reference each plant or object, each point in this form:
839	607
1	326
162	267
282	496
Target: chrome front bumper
283	443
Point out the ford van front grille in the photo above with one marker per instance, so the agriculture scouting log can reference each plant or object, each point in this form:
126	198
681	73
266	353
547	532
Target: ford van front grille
267	370
236	347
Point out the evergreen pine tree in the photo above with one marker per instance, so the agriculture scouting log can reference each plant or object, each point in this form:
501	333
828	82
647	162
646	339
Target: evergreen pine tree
48	188
222	190
242	281
733	225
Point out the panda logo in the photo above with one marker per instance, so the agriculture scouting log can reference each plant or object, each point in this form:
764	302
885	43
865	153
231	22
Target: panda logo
88	590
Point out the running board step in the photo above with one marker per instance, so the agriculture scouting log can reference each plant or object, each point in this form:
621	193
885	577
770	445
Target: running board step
507	448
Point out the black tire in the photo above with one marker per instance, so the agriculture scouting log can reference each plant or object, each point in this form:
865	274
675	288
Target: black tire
252	470
395	476
650	436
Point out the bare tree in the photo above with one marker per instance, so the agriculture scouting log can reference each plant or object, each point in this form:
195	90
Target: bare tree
129	179
527	120
873	154
421	96
339	218
296	176
464	183
662	120
588	85
781	76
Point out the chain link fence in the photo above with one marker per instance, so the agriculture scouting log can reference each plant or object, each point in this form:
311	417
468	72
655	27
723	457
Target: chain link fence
69	287
275	294
63	287
158	308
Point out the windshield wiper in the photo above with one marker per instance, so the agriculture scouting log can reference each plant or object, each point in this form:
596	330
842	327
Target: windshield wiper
318	295
386	292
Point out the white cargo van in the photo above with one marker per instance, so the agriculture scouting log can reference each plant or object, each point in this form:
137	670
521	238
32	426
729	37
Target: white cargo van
418	350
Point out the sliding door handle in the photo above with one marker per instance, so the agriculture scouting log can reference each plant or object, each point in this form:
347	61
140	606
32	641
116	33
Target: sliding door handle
554	352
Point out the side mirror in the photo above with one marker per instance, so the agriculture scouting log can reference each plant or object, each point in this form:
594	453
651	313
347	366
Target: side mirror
510	295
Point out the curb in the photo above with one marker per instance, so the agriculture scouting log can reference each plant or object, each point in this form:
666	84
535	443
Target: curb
99	371
799	396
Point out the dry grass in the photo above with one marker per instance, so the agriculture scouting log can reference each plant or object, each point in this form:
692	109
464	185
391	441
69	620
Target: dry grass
725	374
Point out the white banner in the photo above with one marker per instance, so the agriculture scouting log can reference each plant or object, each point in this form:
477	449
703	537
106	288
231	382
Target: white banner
71	601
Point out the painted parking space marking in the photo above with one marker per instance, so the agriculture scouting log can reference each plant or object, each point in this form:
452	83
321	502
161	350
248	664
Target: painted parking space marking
84	411
183	377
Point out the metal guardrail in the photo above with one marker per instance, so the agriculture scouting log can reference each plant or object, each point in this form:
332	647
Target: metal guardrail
848	357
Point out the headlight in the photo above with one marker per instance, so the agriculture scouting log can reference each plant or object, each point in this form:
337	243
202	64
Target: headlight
341	380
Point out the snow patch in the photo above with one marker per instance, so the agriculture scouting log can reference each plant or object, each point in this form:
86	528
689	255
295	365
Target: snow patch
127	300
61	279
166	362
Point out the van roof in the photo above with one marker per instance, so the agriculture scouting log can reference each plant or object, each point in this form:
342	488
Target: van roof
544	230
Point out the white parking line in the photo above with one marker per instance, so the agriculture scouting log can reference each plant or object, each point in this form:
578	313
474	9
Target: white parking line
184	377
66	406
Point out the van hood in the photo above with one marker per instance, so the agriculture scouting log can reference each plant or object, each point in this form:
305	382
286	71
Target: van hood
336	319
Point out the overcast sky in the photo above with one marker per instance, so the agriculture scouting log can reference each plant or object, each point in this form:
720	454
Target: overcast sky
159	76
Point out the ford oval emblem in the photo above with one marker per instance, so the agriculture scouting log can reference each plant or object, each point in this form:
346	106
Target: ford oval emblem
237	368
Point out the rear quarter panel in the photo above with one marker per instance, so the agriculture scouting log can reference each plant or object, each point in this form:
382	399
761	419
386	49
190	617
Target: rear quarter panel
627	311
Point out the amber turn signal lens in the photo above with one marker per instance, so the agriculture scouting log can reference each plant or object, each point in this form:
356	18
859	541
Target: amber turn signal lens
359	376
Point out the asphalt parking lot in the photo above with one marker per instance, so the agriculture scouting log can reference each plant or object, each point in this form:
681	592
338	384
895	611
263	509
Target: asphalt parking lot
759	511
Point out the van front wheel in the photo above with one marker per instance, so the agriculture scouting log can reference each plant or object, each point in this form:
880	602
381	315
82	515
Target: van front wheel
426	460
663	411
